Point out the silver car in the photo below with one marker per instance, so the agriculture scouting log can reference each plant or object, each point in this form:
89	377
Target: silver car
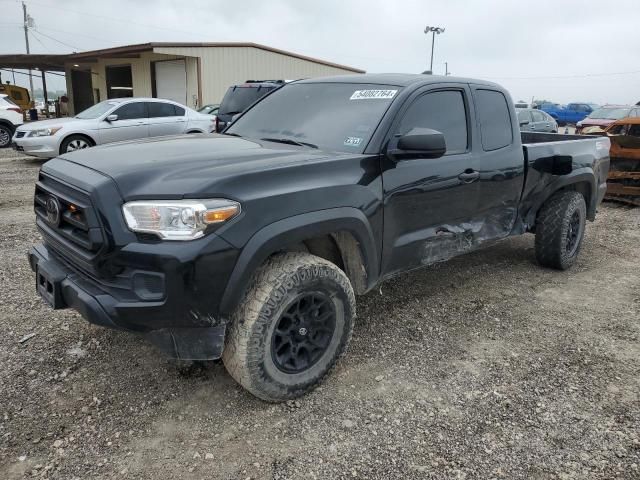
110	121
533	120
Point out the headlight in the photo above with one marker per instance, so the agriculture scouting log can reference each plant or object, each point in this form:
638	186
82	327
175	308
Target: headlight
178	219
44	132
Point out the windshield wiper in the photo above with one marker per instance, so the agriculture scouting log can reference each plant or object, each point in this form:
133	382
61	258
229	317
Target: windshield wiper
233	135
290	141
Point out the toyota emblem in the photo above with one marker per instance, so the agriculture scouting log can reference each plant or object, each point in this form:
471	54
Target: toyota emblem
52	207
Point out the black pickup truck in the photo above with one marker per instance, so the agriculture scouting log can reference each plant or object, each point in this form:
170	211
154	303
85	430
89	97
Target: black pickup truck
250	245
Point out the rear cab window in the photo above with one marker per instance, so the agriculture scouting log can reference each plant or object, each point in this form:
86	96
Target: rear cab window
495	120
238	98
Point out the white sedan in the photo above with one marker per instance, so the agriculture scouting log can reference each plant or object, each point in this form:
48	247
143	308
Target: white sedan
110	121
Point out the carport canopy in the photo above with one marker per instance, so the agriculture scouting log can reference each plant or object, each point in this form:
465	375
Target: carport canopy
44	63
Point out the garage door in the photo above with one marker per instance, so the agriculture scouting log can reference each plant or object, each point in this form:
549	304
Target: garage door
171	80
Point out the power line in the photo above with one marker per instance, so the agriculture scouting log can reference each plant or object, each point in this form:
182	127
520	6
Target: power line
26	74
39	41
56	40
114	19
75	34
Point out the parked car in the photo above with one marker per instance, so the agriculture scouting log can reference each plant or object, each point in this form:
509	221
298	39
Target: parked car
110	121
571	114
210	109
600	119
251	245
10	119
239	97
19	95
534	120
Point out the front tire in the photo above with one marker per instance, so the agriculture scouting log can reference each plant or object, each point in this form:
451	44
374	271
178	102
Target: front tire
75	142
6	132
293	325
560	230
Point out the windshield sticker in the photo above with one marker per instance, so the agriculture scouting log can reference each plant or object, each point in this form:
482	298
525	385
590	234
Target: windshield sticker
352	141
373	94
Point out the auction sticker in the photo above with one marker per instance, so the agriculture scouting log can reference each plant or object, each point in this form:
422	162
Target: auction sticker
373	94
352	141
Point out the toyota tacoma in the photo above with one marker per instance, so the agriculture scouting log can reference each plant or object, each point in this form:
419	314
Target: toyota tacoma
251	245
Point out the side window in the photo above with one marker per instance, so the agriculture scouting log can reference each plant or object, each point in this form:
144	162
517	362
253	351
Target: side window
131	111
538	117
495	120
443	111
160	109
179	111
17	95
524	117
572	106
634	130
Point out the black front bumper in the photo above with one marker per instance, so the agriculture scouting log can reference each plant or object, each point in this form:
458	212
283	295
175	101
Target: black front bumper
63	287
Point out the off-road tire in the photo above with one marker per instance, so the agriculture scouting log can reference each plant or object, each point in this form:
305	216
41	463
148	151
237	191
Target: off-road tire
247	355
553	228
6	132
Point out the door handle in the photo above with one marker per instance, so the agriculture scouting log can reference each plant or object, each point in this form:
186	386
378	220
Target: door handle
469	176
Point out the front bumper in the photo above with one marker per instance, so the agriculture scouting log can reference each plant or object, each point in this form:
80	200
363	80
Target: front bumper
63	287
42	147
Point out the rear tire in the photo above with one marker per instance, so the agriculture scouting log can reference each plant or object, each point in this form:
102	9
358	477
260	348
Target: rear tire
291	328
6	132
560	230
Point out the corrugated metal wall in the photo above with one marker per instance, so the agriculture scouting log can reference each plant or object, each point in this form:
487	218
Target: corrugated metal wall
220	68
225	66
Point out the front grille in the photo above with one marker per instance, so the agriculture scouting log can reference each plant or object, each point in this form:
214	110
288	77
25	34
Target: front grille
68	222
20	134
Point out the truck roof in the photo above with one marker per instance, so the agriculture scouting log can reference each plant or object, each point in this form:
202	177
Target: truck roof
397	79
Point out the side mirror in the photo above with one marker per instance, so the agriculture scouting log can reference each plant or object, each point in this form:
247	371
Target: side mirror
420	143
111	118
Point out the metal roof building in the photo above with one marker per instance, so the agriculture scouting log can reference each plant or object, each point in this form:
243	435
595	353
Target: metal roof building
193	74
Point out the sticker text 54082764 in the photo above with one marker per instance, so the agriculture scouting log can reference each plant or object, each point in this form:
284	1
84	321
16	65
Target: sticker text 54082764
373	94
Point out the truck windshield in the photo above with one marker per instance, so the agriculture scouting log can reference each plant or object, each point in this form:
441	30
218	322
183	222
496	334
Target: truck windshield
610	113
332	116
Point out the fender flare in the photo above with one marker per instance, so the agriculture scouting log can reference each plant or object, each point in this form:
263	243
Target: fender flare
295	229
580	175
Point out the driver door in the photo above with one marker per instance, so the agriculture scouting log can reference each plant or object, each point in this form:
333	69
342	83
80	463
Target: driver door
429	203
132	123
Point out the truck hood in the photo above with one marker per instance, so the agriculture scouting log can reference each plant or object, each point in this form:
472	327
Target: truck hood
187	166
602	122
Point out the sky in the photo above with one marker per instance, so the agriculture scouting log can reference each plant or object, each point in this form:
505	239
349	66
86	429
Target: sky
559	50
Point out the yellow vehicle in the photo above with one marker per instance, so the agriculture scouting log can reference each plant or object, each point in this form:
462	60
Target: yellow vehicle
19	95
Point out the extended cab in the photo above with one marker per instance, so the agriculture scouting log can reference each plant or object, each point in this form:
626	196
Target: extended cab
250	245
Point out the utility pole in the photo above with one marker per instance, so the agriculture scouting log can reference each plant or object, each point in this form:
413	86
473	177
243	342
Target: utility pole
28	21
434	31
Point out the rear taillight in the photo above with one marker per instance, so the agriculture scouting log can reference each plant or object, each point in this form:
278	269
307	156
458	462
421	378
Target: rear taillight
15	109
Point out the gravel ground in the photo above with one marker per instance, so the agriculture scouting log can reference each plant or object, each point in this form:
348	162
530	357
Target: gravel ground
487	366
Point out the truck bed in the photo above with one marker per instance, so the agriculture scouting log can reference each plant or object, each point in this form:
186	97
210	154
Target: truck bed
550	156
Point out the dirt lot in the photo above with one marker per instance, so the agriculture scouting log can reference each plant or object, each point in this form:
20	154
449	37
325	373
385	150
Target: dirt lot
484	367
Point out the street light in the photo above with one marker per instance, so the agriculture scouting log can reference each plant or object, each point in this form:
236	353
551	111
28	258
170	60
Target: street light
433	30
